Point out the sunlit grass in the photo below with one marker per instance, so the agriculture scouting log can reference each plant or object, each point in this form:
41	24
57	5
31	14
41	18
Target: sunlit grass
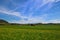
16	32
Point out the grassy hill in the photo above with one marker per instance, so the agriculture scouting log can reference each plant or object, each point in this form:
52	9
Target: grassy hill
3	22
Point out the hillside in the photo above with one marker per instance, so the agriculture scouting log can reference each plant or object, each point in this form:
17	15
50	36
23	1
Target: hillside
3	21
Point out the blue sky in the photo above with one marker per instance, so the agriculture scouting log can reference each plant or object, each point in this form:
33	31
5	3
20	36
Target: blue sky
30	11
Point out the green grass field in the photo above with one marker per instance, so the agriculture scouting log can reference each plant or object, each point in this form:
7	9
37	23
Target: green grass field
26	32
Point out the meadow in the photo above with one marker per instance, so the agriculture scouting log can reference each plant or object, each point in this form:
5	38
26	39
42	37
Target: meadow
28	32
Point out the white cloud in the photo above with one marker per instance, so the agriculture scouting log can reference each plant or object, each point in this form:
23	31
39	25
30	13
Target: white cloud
10	13
40	19
13	13
54	21
30	19
46	1
57	0
38	4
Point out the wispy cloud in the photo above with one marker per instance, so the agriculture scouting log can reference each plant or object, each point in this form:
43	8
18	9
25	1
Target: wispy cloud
37	19
54	21
57	0
31	7
13	13
40	19
10	13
